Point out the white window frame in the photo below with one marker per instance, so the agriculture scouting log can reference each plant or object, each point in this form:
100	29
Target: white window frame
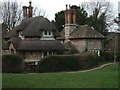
49	33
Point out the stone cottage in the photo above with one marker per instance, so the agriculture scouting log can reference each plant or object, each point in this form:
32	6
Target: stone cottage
33	38
79	37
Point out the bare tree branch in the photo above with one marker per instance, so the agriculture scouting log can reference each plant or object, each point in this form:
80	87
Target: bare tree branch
38	12
10	13
99	8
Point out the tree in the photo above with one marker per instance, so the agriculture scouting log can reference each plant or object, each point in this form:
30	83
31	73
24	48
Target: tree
59	20
81	16
38	12
100	15
10	14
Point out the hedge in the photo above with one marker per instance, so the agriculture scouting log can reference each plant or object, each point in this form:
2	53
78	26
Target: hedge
87	59
12	63
107	56
66	63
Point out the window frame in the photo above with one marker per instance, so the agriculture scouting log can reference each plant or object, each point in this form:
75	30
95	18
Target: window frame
47	33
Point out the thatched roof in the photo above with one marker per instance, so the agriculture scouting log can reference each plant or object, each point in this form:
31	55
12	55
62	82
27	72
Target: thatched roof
10	34
82	32
85	31
62	34
32	27
36	44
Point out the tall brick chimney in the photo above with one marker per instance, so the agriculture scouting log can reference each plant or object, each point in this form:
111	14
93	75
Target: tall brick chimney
24	11
30	10
70	21
70	15
27	11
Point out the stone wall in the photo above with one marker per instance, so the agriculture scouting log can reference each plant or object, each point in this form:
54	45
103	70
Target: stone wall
79	44
30	55
87	44
93	44
33	55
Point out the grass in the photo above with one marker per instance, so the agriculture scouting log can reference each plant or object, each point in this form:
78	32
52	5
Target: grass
106	77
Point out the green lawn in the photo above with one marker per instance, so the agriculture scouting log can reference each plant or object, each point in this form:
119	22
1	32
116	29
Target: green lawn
106	77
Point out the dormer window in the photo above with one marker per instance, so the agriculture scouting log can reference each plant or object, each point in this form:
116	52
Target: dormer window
47	33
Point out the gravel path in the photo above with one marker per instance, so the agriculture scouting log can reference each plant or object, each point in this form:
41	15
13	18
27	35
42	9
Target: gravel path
83	70
90	69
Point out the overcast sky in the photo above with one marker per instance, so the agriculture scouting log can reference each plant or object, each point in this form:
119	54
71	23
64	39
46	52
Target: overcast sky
53	6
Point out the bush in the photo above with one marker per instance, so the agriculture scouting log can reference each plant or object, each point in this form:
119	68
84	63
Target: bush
88	60
12	63
66	63
108	56
101	59
58	63
73	51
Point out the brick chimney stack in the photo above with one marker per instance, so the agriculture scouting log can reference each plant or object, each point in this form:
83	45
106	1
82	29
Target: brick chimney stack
70	15
30	9
24	11
70	21
27	11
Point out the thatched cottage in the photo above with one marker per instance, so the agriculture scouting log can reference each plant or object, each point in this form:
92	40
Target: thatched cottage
79	37
34	38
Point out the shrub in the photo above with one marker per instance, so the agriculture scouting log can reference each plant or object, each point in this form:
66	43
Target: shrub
58	63
88	59
101	59
12	63
67	63
107	55
73	51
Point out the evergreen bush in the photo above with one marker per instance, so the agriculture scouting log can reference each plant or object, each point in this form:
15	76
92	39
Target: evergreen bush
108	56
67	62
12	63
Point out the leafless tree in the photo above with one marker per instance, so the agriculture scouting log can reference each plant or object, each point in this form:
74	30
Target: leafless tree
10	14
100	7
39	12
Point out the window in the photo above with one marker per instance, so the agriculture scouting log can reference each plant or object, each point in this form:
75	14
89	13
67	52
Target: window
47	33
45	53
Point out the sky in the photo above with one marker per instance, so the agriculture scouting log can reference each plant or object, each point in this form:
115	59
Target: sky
50	7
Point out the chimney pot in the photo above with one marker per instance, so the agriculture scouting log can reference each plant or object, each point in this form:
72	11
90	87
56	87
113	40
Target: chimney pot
66	6
27	11
30	3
